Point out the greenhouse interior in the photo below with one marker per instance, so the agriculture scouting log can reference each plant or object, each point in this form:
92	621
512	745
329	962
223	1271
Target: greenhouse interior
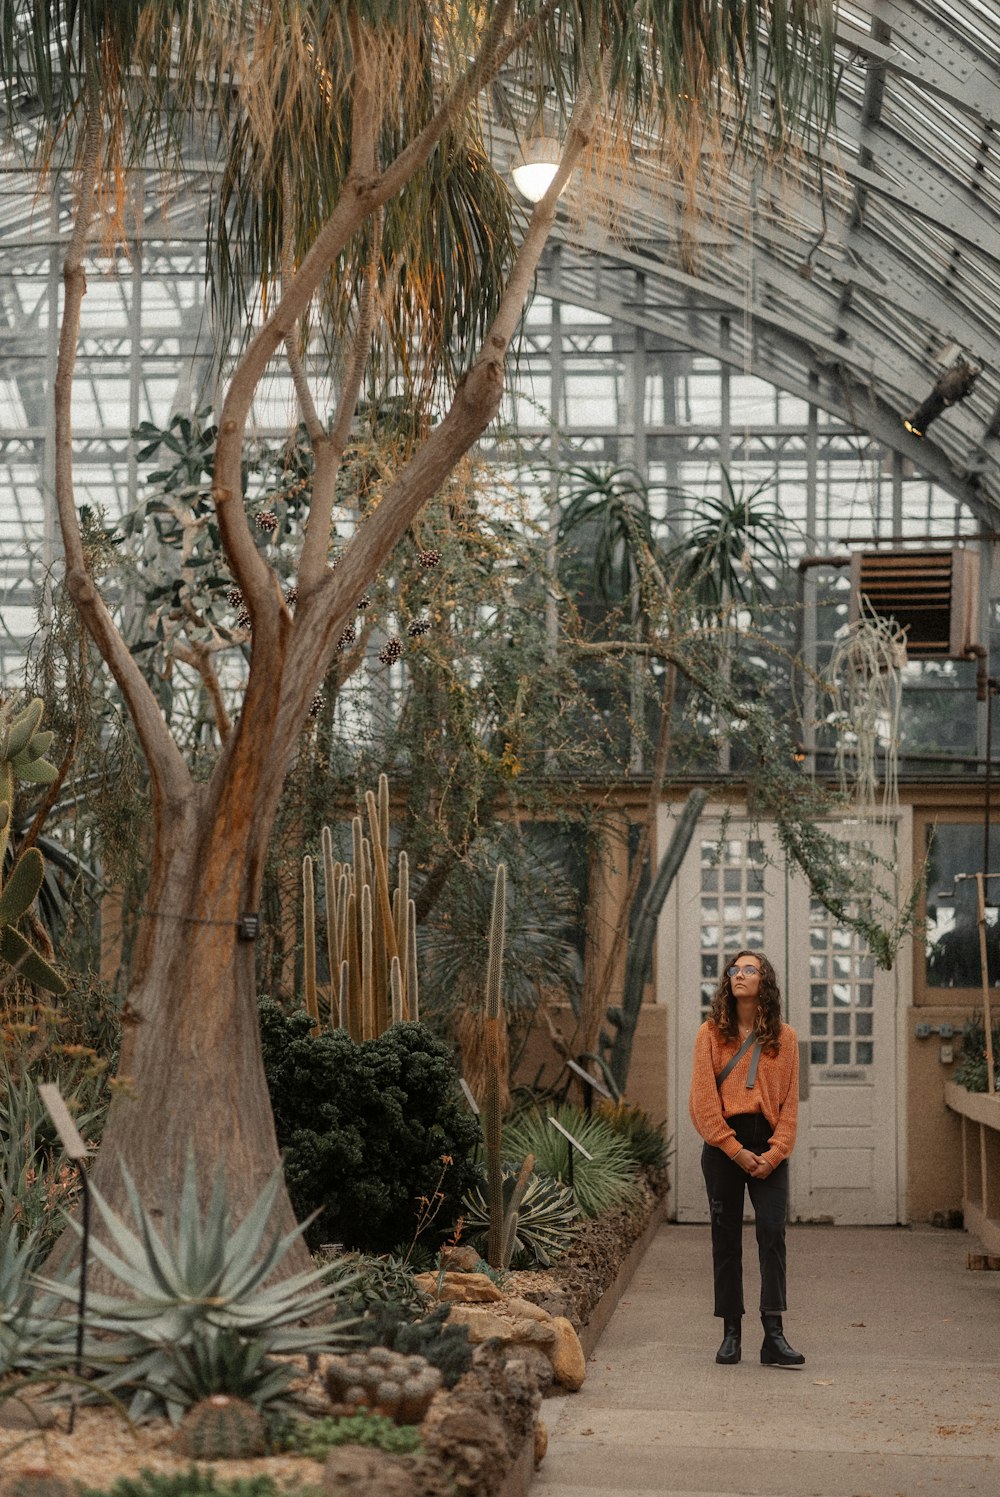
499	509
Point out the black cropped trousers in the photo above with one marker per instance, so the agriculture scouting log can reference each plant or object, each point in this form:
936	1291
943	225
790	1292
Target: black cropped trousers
726	1183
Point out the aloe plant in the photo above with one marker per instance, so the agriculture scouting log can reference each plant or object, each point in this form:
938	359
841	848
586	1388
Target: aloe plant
22	757
203	1309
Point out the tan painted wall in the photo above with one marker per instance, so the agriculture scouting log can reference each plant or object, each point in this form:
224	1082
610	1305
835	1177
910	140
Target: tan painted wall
935	1140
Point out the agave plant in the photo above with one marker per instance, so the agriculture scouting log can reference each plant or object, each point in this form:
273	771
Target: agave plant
608	1179
546	1219
203	1314
33	1336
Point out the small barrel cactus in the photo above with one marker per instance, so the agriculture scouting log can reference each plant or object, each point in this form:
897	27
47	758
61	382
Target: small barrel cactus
38	1481
221	1428
400	1387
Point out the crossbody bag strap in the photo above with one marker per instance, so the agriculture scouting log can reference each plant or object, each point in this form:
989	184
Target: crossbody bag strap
755	1057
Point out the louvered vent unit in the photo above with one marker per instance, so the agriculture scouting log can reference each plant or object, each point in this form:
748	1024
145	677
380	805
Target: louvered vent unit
933	595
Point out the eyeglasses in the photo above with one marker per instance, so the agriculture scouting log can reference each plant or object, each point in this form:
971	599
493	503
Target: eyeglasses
743	971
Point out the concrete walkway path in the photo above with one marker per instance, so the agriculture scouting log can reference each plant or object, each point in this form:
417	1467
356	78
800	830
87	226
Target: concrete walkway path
899	1397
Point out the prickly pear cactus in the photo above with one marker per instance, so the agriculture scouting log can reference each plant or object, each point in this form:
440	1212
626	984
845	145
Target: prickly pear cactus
401	1387
38	1481
221	1428
22	757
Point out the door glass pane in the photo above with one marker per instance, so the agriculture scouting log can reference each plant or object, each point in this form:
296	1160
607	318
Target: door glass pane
742	909
840	992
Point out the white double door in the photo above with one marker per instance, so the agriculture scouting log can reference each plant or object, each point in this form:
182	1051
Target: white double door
736	890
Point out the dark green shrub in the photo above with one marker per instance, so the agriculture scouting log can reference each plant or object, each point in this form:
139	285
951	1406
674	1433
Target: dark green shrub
367	1130
445	1346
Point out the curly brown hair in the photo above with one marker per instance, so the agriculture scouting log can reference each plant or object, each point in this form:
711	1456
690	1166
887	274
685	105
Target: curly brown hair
723	1011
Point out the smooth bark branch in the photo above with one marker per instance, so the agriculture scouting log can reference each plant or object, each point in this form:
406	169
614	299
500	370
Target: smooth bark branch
169	773
303	394
198	656
296	367
324	615
360	198
316	546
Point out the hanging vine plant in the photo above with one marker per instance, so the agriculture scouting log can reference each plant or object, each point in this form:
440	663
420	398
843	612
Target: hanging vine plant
866	684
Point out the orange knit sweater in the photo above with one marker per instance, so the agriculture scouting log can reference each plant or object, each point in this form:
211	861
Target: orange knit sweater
775	1092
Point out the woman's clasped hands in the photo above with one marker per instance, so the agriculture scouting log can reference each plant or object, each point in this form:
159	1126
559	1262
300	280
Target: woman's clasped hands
753	1164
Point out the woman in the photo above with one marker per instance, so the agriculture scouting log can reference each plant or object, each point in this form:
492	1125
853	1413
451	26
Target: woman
744	1103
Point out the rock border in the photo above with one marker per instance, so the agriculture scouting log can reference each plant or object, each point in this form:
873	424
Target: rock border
519	1478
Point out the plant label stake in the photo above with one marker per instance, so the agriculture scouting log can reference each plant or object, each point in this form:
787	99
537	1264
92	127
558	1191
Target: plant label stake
467	1092
590	1086
76	1149
572	1144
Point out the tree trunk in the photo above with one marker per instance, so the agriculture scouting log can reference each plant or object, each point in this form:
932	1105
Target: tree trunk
191	1074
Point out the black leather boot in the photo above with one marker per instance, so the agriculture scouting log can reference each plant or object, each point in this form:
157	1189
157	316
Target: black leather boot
776	1351
729	1351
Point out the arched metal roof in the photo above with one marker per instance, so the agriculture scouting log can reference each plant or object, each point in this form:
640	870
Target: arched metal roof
860	273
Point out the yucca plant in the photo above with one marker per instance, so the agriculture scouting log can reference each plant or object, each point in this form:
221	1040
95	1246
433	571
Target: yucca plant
545	1221
203	1311
600	1183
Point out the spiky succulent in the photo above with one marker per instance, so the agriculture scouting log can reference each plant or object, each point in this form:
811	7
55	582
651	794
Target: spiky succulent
34	1337
221	1428
204	1314
546	1219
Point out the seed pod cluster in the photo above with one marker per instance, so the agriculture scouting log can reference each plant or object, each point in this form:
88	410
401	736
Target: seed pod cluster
348	637
267	521
390	651
429	558
400	1387
418	627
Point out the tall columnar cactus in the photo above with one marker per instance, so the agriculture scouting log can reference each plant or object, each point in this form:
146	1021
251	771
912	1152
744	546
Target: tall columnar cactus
495	1054
371	930
22	757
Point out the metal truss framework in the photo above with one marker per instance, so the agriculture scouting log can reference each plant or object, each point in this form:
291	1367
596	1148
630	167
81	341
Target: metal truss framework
862	272
849	284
